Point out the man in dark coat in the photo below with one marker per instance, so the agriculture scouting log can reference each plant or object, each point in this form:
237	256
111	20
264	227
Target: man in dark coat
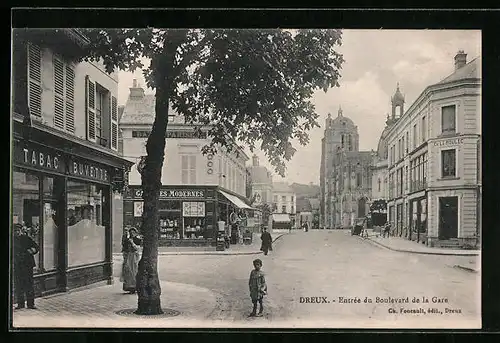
24	250
266	241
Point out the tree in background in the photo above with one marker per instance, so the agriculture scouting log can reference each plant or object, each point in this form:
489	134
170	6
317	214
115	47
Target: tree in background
247	86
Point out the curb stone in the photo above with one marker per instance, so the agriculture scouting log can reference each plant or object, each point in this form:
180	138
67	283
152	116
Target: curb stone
417	252
213	253
471	270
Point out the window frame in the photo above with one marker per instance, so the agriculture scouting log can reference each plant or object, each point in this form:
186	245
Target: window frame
455	105
441	171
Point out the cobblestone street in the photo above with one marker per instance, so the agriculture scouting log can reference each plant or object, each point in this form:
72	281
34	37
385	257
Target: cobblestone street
212	291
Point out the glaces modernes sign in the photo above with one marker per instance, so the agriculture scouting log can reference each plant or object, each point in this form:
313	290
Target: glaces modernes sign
174	193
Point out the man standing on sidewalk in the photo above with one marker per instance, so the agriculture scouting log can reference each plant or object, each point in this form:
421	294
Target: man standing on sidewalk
24	250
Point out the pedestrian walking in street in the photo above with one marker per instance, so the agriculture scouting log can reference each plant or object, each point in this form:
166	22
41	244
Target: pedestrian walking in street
258	287
24	261
387	230
267	242
132	248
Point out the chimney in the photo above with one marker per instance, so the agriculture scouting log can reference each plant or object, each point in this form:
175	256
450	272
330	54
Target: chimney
255	161
460	59
136	91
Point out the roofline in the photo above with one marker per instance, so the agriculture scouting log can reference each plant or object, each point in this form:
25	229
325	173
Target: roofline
429	90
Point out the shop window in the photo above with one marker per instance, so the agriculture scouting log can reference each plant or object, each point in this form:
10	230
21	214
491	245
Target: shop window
26	205
448	119
448	163
283	209
53	189
86	232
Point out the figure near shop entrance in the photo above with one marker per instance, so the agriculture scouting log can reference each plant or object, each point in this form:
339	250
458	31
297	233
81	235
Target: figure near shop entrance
267	241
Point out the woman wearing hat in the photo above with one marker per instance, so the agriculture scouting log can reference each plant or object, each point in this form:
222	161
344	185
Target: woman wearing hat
132	248
24	250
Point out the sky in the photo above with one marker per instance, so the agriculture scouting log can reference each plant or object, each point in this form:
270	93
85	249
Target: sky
375	61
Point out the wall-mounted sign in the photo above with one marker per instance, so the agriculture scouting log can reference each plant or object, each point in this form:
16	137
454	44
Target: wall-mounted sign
88	170
138	208
453	141
186	134
193	209
39	157
175	193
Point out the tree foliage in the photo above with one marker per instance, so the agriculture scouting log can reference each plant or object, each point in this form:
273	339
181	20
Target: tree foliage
252	86
244	86
379	205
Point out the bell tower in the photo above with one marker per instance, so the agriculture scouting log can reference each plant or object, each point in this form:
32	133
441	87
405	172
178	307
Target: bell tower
397	100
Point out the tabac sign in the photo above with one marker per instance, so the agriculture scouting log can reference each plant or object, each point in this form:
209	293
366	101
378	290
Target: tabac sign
39	157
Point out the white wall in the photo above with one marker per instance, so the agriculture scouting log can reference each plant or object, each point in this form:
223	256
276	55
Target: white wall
291	205
223	164
94	70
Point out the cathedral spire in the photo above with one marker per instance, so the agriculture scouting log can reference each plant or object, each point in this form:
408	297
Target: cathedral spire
340	111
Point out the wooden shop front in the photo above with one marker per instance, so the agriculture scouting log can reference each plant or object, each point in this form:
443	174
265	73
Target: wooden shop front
62	193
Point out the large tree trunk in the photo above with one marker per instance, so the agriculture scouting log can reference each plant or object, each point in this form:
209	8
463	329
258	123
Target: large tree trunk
147	282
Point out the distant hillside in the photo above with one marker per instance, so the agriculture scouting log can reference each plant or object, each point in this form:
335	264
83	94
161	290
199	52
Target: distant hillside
305	191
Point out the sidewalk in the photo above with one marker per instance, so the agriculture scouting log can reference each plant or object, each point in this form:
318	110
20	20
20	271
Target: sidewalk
404	245
184	305
235	249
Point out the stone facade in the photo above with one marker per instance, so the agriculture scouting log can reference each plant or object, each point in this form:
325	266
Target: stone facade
345	175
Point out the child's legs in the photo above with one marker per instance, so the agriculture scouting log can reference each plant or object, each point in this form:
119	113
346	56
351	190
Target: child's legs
254	302
261	308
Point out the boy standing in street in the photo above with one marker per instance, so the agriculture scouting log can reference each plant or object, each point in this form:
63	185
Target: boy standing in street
258	287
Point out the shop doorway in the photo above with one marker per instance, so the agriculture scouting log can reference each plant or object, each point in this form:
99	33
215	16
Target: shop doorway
448	217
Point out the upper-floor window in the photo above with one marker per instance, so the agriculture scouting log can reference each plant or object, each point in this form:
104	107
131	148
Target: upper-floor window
448	119
283	209
407	141
188	169
403	146
64	95
102	115
283	198
349	142
291	198
358	179
292	210
414	136
424	129
342	138
448	163
99	113
35	80
379	182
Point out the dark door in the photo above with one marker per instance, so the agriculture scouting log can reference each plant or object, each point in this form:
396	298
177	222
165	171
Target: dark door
361	207
448	217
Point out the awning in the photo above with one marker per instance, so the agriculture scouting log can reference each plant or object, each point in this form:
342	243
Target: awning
281	218
236	201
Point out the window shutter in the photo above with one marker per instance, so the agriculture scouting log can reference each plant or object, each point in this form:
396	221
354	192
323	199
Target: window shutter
114	123
70	99
90	108
34	80
58	93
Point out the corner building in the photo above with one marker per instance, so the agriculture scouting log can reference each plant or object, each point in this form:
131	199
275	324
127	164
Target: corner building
67	175
434	162
197	190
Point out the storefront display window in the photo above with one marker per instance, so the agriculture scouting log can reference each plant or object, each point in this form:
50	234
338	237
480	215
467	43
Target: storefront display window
26	205
86	232
53	189
423	215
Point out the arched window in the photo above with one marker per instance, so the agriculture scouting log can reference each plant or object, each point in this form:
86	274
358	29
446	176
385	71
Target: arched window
349	143
342	141
379	182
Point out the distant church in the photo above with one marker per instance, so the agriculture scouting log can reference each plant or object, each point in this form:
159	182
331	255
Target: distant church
345	174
